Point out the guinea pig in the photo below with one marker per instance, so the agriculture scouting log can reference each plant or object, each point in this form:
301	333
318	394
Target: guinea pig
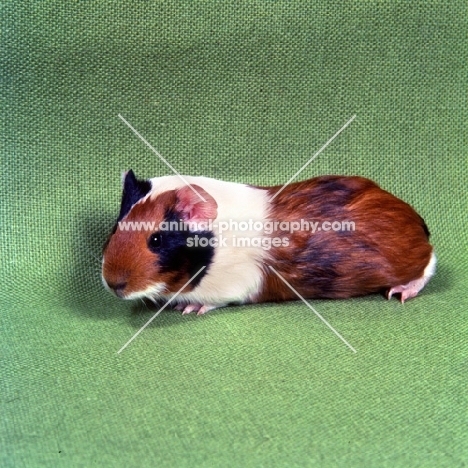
202	243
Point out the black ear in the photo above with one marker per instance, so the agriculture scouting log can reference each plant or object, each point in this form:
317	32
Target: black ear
133	190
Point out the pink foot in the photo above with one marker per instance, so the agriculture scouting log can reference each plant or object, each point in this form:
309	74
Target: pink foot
412	288
198	308
190	308
408	290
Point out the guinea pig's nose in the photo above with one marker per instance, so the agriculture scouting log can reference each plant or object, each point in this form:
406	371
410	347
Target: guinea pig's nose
118	288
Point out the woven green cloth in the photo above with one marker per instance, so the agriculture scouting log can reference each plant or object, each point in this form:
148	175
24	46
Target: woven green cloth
244	91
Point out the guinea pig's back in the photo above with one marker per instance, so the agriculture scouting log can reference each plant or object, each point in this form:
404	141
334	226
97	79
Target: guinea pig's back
374	240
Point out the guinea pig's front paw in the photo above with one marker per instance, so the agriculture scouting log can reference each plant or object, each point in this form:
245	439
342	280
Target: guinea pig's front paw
200	309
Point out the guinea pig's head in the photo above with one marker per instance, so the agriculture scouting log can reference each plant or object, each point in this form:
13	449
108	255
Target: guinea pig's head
151	251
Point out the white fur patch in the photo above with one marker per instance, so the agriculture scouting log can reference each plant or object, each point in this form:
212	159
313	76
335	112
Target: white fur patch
431	267
154	290
104	283
235	273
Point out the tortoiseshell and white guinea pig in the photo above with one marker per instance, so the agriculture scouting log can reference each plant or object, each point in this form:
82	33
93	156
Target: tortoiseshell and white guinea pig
237	232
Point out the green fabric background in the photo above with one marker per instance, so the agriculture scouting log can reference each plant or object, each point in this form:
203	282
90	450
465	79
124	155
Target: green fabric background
245	91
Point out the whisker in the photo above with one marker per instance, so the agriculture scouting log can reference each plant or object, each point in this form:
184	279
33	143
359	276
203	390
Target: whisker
145	304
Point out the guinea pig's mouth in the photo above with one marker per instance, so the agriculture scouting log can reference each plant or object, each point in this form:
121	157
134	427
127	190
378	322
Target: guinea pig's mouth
116	288
123	290
152	292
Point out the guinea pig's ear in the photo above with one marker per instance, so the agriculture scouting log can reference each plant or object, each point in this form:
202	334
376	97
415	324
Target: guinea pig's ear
133	190
192	208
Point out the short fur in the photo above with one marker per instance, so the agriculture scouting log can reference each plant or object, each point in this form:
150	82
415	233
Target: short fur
387	251
388	247
234	274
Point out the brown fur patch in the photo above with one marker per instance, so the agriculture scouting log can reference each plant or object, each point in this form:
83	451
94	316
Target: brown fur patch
388	247
127	258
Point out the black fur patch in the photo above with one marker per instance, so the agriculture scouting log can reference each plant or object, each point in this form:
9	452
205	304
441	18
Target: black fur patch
424	226
176	254
133	191
335	186
321	272
331	196
328	197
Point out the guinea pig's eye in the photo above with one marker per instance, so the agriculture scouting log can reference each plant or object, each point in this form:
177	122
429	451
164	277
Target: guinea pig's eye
154	241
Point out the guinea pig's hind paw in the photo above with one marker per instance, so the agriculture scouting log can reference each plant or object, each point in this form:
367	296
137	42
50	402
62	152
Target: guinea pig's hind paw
408	290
